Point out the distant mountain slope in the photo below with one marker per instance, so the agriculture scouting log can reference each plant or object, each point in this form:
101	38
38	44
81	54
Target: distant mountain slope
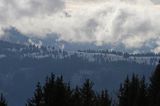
21	66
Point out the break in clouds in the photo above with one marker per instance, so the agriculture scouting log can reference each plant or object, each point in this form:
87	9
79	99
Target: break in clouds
135	24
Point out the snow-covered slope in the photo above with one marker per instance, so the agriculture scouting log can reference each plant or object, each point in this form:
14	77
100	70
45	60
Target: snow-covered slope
33	51
21	66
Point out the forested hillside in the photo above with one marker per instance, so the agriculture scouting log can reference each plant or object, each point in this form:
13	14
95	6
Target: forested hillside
22	65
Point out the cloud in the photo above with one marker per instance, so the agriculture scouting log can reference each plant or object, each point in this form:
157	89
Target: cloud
14	12
132	23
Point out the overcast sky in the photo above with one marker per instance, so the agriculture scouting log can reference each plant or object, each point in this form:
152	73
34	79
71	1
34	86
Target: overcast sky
132	23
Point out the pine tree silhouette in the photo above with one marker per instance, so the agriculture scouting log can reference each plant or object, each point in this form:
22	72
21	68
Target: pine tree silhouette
56	92
143	93
123	93
61	92
49	90
76	97
37	99
133	92
154	87
104	99
88	94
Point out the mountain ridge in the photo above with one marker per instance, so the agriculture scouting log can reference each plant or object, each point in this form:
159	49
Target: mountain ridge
22	65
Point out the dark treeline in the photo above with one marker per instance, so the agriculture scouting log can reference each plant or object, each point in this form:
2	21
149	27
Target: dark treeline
56	92
134	91
120	53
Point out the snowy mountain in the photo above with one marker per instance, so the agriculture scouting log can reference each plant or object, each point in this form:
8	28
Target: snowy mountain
38	51
23	65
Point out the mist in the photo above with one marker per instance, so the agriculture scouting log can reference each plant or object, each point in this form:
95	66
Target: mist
133	24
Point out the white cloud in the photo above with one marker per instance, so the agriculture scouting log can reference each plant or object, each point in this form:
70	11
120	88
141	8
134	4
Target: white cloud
132	23
14	12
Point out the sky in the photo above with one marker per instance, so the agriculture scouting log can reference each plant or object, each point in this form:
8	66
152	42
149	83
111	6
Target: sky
135	24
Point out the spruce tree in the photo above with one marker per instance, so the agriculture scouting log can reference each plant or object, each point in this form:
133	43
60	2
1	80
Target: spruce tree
133	92
104	99
143	93
154	88
134	89
49	91
61	93
37	99
56	92
76	97
123	93
88	94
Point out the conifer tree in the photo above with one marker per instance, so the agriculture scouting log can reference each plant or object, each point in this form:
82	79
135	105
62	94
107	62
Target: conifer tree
88	94
56	92
123	93
37	99
76	97
133	92
104	99
154	88
143	93
49	90
61	93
